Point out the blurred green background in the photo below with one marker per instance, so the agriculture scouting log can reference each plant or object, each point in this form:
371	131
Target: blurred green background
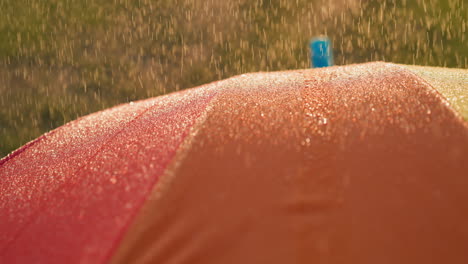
61	59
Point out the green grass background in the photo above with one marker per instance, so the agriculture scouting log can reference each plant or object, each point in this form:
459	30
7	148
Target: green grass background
61	59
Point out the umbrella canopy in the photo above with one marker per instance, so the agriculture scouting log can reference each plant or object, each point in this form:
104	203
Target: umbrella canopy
361	163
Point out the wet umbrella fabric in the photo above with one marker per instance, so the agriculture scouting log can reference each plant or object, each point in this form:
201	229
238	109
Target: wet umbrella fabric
357	164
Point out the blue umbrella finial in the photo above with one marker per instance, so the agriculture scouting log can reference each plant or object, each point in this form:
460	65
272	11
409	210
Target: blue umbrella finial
321	52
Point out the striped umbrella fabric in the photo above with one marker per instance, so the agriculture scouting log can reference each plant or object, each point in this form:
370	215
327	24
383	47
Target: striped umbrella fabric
363	163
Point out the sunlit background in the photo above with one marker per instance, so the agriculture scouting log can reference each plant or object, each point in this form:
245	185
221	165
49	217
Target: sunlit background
61	59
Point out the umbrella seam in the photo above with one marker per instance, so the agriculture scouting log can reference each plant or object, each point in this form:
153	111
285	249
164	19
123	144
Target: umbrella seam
168	176
438	94
168	171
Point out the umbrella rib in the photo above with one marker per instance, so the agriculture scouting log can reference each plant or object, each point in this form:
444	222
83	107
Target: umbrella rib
22	149
169	174
443	98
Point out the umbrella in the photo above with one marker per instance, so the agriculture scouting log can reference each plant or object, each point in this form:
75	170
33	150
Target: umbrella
358	164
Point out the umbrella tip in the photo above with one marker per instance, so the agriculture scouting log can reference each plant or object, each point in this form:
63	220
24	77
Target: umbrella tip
321	54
